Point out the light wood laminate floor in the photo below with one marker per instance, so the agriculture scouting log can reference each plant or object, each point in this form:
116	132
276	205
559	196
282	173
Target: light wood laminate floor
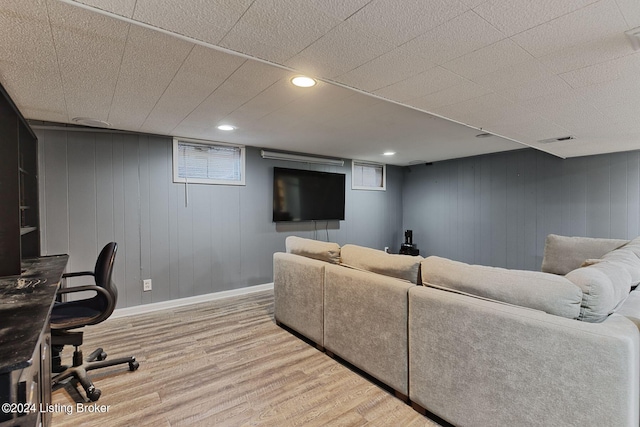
224	363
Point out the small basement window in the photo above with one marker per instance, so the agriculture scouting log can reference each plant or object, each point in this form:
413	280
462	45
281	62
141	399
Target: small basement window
368	176
200	162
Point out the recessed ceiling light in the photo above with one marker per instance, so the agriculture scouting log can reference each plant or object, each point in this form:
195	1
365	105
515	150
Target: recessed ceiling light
389	153
303	81
88	121
226	127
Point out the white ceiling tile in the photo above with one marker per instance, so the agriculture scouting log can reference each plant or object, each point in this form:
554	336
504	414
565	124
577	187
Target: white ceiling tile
631	11
592	22
244	84
514	16
459	36
611	92
261	31
400	21
392	67
89	47
533	89
488	59
432	80
28	65
273	98
341	9
515	75
473	3
342	49
627	67
590	53
150	62
570	110
462	91
202	72
119	7
483	111
326	103
205	20
624	116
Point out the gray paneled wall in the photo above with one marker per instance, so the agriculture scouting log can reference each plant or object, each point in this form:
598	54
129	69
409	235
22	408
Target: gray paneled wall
498	209
98	187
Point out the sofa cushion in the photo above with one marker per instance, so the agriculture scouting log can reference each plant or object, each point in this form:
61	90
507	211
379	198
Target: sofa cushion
540	291
629	256
563	254
606	283
399	266
323	251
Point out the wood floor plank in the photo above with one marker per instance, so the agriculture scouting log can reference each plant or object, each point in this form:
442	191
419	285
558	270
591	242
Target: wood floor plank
225	363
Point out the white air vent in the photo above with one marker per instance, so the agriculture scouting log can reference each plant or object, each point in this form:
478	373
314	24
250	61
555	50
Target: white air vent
558	139
88	121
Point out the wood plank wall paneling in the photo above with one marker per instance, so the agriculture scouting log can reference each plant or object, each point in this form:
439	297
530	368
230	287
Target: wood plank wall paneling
98	187
498	209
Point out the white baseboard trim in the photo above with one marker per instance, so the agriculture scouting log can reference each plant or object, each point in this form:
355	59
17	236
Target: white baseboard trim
163	305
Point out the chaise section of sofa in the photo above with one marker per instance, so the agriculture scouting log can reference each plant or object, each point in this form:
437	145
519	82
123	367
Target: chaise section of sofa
476	362
493	346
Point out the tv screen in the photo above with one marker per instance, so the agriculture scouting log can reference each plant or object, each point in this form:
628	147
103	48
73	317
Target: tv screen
304	195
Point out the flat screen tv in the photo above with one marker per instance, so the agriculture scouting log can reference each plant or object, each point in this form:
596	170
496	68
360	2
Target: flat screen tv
304	195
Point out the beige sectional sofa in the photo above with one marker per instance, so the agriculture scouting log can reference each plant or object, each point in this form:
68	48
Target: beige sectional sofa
356	314
478	345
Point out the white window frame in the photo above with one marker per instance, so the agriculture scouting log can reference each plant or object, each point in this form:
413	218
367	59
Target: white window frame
178	179
355	163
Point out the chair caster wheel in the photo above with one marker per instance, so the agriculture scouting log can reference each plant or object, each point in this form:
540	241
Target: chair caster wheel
133	365
94	394
102	356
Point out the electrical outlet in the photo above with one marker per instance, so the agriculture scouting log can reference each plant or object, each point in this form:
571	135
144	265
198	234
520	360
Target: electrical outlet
146	285
386	249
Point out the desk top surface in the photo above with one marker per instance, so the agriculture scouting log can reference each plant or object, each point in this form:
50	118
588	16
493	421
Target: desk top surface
25	306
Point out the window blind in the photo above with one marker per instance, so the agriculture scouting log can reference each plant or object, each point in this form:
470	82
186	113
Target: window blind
209	162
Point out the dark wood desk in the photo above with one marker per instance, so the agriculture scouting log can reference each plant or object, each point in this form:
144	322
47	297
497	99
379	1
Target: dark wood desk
25	338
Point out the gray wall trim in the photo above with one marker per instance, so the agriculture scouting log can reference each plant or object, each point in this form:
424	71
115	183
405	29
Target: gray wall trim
97	187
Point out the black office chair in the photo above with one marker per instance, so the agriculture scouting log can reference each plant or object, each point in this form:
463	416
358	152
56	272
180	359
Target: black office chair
79	313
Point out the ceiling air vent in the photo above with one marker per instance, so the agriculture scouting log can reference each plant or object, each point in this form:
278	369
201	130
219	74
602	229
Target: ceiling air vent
559	139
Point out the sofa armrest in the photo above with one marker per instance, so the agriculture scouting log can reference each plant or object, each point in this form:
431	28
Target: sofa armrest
477	362
298	287
365	322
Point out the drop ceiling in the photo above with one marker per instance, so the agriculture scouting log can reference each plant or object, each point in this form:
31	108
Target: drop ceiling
421	78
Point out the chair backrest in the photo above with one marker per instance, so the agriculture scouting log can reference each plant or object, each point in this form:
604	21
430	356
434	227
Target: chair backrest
103	272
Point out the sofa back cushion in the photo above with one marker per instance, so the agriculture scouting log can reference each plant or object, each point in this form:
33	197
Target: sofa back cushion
563	254
606	283
540	291
323	251
399	266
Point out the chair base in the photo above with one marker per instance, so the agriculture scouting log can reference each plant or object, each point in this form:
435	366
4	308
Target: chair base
80	369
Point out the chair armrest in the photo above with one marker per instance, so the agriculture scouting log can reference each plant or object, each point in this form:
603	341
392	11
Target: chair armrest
94	288
77	274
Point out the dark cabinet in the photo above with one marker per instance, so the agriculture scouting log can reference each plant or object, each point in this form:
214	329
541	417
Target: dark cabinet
19	213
